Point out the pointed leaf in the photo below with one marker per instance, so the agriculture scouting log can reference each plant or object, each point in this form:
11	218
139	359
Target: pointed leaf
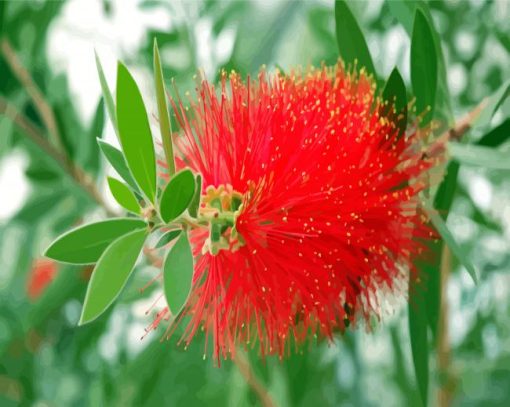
448	238
117	161
107	95
135	133
395	93
164	120
497	136
124	196
85	244
423	67
167	238
178	273
493	103
195	202
485	157
177	195
404	12
111	274
418	334
351	42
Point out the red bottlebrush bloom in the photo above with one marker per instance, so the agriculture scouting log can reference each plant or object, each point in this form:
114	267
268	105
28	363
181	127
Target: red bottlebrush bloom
42	274
319	197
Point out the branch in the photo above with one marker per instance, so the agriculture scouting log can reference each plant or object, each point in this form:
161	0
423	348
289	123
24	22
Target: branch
463	125
446	385
23	75
249	376
33	133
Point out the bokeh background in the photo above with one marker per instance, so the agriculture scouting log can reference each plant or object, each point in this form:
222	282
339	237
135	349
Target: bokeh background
46	360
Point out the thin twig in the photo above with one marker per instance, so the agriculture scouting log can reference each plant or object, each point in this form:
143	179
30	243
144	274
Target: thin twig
23	75
34	134
463	125
445	388
249	376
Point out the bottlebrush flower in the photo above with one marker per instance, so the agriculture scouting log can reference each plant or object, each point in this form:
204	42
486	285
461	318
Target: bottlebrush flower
319	197
42	274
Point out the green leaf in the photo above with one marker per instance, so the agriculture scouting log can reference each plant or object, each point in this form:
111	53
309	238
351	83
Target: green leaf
423	67
195	202
107	95
178	274
493	103
167	238
497	136
418	334
351	42
164	120
135	133
481	156
111	274
124	196
85	244
395	93
177	195
117	161
89	152
448	238
404	12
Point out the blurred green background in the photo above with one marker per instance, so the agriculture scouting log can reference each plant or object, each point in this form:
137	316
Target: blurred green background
46	360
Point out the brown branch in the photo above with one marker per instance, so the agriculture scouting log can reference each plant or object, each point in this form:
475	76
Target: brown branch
23	75
463	125
34	134
258	388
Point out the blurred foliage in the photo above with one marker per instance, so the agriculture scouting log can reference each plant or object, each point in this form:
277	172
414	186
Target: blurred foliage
45	358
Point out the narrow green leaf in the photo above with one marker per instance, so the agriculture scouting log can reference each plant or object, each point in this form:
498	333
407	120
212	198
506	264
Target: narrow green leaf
497	136
167	238
164	120
423	67
117	161
195	202
395	94
107	95
404	12
493	103
178	274
177	195
351	42
85	244
481	156
111	274
124	196
448	238
135	133
418	334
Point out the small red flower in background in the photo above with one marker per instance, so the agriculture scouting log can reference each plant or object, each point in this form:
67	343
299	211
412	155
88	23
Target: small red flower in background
323	201
42	274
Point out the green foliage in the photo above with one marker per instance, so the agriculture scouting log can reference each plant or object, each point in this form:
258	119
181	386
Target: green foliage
167	238
124	196
85	244
178	273
107	95
177	195
111	273
195	201
423	67
351	42
118	162
135	133
395	94
164	120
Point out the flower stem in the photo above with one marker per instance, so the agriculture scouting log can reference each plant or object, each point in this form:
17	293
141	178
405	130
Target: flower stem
256	385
